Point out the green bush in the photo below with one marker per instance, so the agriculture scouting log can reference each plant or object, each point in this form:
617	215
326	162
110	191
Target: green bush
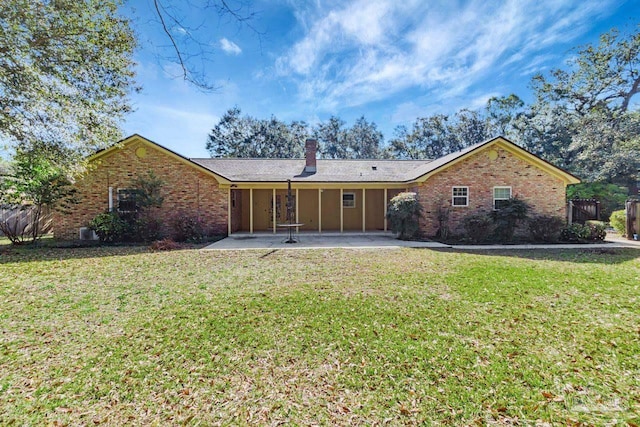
575	233
618	220
478	227
597	231
545	228
146	228
507	218
111	227
578	233
187	227
139	226
404	213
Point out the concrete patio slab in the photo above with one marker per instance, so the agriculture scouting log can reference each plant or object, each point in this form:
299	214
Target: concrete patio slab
315	241
380	241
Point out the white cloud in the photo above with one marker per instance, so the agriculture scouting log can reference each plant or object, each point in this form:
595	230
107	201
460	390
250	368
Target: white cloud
230	47
371	49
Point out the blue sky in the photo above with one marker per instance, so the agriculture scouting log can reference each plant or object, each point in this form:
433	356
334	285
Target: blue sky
389	60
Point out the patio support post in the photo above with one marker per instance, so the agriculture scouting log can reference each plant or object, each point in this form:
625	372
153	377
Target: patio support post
229	211
341	211
297	220
273	206
251	211
364	204
319	210
385	209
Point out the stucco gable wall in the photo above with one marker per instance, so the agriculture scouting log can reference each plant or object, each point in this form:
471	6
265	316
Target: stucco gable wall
185	189
544	192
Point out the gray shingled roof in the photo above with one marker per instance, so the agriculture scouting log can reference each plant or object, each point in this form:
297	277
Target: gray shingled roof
279	170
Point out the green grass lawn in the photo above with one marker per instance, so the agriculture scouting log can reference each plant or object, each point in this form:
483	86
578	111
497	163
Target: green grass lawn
348	337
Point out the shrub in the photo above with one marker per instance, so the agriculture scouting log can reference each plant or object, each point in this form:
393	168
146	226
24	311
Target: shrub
578	233
478	227
404	213
575	233
187	227
597	231
111	227
618	221
141	225
146	228
507	218
545	228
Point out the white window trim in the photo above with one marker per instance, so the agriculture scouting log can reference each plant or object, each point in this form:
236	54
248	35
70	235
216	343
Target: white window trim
354	199
453	197
494	194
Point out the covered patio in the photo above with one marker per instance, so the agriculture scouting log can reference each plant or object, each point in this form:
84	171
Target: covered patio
319	208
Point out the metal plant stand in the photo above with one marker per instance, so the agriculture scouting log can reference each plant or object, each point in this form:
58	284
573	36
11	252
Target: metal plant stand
290	225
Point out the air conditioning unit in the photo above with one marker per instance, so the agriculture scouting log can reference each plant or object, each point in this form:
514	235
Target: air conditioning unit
87	234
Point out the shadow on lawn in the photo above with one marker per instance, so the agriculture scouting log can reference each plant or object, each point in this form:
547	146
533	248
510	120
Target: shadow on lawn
15	254
578	255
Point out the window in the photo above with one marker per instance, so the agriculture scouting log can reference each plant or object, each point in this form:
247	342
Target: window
127	202
460	196
500	196
348	200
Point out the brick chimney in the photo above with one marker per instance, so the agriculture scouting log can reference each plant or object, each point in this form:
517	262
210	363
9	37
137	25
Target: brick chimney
310	148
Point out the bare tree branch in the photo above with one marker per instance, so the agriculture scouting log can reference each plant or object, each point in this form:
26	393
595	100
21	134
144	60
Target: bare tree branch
169	19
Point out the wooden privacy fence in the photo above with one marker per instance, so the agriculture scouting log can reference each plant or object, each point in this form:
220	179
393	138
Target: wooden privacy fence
582	210
633	219
19	219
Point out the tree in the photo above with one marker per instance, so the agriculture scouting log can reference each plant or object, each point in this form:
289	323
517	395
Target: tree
363	140
230	135
332	138
468	128
66	69
581	115
546	131
607	151
428	139
244	136
277	139
501	115
603	77
37	181
438	135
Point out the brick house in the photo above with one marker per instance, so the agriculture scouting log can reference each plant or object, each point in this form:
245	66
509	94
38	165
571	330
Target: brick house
250	195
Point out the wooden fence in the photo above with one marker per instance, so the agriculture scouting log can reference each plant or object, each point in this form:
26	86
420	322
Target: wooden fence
582	210
632	209
19	220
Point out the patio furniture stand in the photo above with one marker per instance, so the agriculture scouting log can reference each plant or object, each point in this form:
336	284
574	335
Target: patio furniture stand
290	227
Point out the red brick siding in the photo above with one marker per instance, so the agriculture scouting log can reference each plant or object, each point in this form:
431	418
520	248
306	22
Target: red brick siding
184	188
544	193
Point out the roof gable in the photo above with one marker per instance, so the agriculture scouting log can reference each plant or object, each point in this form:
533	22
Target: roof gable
449	160
135	138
